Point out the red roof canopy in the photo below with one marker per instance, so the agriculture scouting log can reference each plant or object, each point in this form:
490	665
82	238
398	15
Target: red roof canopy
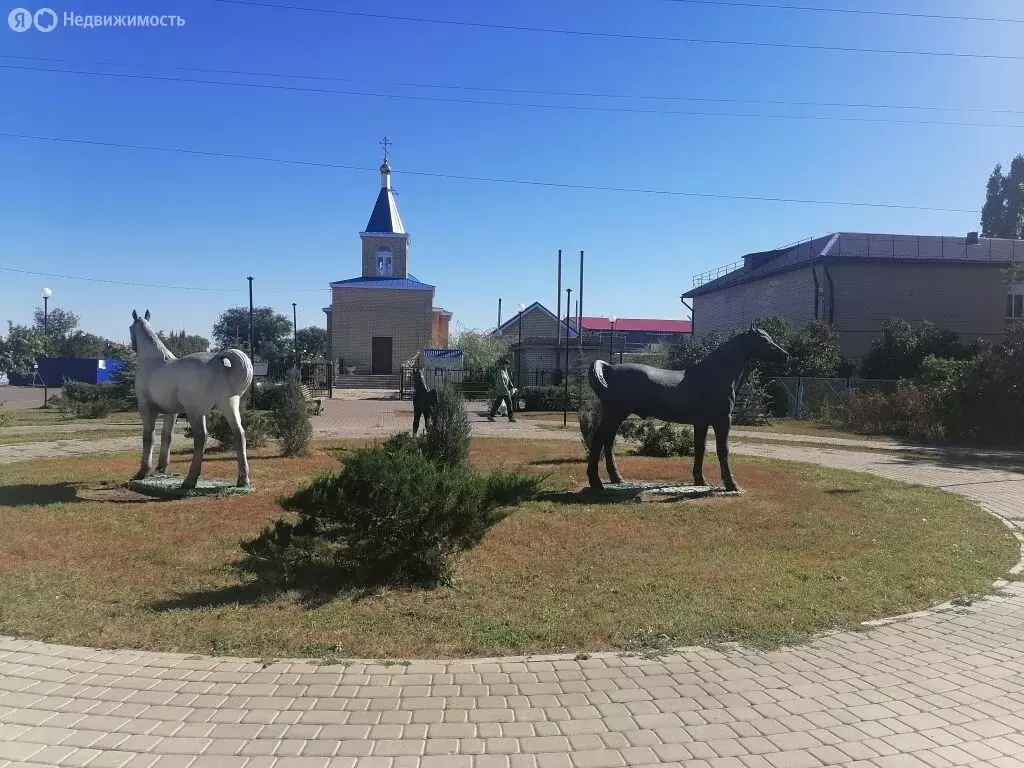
637	324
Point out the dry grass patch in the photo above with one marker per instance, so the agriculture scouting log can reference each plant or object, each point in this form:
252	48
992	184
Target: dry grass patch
806	549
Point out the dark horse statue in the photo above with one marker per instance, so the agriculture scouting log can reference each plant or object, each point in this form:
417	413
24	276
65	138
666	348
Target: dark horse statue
703	395
423	401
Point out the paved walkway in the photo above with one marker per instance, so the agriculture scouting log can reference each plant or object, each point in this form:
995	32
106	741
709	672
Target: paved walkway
941	688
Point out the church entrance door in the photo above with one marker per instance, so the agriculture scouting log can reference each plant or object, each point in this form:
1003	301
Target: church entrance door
380	354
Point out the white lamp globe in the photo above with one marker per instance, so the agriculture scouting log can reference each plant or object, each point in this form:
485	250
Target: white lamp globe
46	293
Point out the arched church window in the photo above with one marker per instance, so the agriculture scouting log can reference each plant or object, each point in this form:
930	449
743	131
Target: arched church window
385	262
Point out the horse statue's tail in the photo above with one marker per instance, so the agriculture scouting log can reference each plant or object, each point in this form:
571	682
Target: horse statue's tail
238	368
597	380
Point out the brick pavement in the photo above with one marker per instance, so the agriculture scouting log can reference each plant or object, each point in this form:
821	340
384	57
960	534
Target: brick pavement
939	688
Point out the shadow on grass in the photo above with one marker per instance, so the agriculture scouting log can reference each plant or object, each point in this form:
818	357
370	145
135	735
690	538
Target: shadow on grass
37	494
311	594
556	462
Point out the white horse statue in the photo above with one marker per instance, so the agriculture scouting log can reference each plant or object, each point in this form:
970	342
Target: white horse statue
193	385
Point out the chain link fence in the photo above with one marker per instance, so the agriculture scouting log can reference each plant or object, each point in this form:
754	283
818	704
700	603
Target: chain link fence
820	399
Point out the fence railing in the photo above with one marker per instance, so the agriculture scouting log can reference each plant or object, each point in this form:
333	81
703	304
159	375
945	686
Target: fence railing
477	385
821	399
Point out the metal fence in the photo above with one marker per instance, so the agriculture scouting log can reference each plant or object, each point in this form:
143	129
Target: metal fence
477	385
821	399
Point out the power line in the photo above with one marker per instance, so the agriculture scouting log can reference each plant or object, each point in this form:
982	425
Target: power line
151	285
488	179
517	105
525	91
628	36
847	11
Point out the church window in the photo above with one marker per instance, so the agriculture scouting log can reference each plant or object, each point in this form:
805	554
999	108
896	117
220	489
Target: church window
385	263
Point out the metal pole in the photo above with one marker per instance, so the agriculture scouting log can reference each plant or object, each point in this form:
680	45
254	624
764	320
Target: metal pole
499	313
565	404
519	353
579	311
46	344
558	310
611	344
295	337
252	354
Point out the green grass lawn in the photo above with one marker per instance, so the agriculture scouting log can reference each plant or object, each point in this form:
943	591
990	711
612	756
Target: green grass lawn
804	550
58	436
28	417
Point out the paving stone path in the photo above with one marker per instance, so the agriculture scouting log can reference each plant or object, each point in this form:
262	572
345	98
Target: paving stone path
940	688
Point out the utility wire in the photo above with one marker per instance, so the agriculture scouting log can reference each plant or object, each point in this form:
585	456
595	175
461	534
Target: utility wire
627	36
487	179
523	91
848	11
152	285
518	105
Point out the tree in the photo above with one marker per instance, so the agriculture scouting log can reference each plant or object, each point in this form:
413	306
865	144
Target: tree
689	350
312	343
1003	212
18	352
815	351
59	325
481	351
82	344
903	346
181	343
269	330
993	213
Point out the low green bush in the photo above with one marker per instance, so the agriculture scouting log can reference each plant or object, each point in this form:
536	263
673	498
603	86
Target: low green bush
909	410
391	515
291	418
94	401
257	425
267	396
544	398
660	438
6	416
446	440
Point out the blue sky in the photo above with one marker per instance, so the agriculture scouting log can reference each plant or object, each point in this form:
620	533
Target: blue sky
177	219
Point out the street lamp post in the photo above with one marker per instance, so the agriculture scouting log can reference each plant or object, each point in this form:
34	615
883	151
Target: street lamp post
519	351
611	340
295	337
565	403
46	294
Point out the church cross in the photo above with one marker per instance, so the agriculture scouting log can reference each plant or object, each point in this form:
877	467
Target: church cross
386	144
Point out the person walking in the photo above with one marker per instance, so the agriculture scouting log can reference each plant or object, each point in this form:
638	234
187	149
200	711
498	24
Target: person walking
503	391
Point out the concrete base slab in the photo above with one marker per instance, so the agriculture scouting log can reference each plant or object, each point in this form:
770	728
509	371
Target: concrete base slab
169	487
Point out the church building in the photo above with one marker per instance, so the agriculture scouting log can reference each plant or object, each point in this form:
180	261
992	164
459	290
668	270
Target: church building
384	317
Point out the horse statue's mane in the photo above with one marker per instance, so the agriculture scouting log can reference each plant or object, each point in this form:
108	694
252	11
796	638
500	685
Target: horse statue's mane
154	338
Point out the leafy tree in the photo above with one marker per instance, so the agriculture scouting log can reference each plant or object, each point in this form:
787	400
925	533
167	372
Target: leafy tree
269	331
1003	212
59	324
82	344
815	351
181	343
689	350
481	351
18	352
903	346
312	343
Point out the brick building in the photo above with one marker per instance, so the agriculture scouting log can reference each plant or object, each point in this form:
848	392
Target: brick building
857	281
384	317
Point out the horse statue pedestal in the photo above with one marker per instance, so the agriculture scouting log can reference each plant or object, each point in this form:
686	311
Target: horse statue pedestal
640	491
169	486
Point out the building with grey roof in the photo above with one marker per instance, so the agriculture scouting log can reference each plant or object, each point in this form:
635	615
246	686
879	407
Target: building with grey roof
856	281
